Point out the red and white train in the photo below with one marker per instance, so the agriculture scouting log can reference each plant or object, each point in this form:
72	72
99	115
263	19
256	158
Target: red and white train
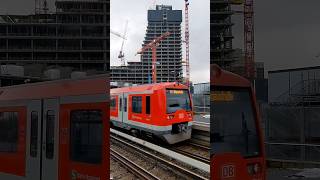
163	110
55	130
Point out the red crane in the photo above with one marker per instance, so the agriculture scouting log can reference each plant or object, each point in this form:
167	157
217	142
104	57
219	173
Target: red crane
187	42
249	39
248	21
153	46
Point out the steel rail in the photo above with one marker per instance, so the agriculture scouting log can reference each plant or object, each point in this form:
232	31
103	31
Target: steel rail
132	167
182	170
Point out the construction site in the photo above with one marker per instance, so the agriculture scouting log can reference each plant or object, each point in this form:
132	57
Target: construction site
168	53
68	40
288	98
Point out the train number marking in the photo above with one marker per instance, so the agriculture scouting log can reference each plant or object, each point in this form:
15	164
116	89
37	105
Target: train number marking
228	171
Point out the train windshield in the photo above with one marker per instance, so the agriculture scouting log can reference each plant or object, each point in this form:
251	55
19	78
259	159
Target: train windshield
177	99
234	127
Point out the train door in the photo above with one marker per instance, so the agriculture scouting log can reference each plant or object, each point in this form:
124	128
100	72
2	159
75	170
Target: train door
125	108
33	155
121	108
50	139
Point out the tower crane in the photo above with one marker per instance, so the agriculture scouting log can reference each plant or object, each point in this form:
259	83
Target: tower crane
248	19
123	37
153	46
187	42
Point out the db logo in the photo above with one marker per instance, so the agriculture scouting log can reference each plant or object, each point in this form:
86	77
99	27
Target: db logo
228	171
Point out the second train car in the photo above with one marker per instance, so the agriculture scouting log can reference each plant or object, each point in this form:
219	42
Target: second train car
162	110
55	130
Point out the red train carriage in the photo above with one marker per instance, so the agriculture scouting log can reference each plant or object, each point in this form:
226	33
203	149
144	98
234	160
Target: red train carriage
55	130
237	148
163	110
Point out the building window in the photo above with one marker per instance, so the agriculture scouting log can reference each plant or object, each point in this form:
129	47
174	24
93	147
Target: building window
113	103
50	134
137	104
8	131
86	136
34	134
148	105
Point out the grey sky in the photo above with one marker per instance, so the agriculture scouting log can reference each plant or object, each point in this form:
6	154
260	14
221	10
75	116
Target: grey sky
287	33
21	6
135	11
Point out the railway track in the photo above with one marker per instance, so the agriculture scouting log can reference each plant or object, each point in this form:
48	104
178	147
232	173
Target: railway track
134	168
192	155
176	167
199	145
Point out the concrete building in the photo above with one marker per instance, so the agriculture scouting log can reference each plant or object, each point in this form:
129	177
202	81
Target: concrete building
73	38
201	88
169	52
221	33
201	97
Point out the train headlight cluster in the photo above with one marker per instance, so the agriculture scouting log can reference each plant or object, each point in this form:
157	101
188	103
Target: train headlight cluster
170	117
254	168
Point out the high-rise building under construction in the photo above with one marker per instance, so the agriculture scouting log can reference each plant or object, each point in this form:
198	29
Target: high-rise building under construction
169	51
74	37
221	37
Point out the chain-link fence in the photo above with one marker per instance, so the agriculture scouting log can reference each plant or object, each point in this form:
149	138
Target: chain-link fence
292	133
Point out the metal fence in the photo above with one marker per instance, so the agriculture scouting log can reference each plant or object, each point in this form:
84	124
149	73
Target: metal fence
201	103
292	133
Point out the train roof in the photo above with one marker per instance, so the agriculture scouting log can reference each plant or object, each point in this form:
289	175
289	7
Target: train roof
148	87
220	77
71	87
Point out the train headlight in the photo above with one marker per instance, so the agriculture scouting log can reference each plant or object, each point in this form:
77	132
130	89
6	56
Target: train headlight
254	168
169	117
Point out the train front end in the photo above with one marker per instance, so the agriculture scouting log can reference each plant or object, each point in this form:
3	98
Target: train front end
237	150
178	113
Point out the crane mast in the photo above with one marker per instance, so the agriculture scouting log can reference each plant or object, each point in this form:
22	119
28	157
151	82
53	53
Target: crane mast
187	42
249	39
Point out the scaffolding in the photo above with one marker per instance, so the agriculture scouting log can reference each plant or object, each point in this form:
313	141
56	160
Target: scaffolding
75	35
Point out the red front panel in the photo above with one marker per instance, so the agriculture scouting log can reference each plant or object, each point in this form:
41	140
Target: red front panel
231	166
13	161
69	168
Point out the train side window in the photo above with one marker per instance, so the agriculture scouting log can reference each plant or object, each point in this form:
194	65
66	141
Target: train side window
86	136
148	105
120	104
34	134
137	104
8	131
113	103
50	134
125	104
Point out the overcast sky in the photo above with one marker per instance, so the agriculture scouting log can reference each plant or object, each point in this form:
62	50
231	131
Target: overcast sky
135	11
287	33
